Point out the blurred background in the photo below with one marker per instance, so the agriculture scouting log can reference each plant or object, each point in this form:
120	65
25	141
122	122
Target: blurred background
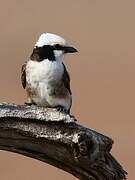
102	73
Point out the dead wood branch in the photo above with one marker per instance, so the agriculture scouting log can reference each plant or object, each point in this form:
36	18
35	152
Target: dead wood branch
56	139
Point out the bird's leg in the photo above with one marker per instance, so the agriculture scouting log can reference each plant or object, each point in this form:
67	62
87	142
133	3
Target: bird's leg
29	102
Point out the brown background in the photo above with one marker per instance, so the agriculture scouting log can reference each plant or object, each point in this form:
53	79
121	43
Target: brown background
102	73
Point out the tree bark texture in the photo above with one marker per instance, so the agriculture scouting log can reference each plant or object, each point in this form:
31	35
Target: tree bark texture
56	138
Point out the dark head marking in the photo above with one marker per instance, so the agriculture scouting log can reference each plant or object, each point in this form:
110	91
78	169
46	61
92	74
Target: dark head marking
41	53
47	52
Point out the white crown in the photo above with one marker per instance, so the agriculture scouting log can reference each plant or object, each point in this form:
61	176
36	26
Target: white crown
50	39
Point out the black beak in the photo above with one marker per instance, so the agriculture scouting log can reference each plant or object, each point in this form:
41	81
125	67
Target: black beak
69	49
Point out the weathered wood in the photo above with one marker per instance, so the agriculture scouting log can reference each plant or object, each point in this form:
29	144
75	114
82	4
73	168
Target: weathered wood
56	139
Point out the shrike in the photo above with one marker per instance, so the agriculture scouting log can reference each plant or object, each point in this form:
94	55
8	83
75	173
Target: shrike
44	76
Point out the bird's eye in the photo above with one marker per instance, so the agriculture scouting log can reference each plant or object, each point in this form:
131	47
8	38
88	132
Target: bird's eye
58	47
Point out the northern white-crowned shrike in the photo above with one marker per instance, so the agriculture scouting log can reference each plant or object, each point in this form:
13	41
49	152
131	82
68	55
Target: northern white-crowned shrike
44	76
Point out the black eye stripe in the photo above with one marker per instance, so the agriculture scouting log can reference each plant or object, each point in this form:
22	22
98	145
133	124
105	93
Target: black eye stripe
46	52
53	47
58	47
41	53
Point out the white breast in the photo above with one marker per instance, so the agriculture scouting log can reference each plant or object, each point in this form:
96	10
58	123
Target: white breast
43	71
39	75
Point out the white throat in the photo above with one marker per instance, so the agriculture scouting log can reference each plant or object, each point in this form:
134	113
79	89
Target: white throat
59	56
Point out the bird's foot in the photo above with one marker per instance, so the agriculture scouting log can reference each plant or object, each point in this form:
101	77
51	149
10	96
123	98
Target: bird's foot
29	103
61	109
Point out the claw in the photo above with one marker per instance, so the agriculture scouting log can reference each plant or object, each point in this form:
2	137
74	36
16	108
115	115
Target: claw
61	109
29	104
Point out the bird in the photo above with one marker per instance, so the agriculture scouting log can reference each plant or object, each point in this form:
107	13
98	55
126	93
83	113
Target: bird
44	75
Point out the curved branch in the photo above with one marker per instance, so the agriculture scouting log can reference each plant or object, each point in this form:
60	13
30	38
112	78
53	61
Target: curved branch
55	138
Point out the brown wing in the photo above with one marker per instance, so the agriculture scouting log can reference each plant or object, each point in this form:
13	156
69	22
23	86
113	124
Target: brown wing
23	75
66	79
